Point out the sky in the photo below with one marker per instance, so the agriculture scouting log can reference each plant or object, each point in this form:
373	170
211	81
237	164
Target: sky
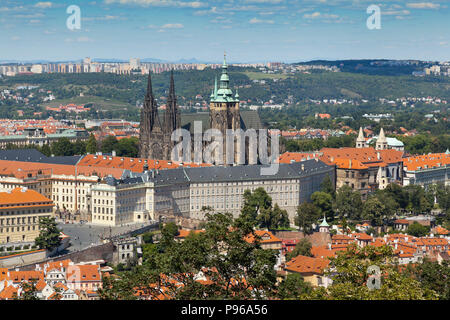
247	30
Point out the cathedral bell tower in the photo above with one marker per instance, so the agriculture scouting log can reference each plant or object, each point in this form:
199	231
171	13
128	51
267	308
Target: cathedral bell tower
224	107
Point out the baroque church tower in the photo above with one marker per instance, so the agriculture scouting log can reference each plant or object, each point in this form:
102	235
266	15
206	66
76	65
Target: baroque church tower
155	137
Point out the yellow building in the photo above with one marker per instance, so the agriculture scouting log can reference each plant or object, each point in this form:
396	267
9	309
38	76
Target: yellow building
20	211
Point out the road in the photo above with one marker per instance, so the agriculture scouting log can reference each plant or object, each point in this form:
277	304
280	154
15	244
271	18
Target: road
84	235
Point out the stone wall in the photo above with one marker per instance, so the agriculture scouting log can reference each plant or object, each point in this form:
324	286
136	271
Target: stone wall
20	259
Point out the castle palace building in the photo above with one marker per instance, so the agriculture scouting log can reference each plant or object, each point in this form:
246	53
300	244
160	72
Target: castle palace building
155	135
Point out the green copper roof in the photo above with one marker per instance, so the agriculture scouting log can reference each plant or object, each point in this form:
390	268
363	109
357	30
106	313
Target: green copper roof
324	223
224	93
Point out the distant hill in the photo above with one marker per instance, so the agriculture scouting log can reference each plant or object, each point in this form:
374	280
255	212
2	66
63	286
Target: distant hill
373	67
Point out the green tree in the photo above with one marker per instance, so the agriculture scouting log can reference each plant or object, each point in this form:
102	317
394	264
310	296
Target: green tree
254	203
307	214
79	147
49	236
273	218
348	203
223	253
63	147
168	233
258	210
327	186
324	202
91	146
374	210
292	287
128	147
29	291
433	276
443	197
417	230
109	144
303	247
350	273
46	150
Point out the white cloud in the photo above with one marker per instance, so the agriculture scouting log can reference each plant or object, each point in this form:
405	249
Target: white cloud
263	1
160	3
316	15
103	18
44	5
29	16
256	20
313	15
172	26
79	39
396	13
423	5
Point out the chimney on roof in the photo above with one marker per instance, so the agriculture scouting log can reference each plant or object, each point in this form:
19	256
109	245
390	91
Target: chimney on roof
378	156
349	163
114	153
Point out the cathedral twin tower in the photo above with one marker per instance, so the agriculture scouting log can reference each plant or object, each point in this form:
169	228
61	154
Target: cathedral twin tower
155	136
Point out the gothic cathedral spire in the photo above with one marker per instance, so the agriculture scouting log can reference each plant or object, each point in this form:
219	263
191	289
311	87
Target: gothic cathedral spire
172	118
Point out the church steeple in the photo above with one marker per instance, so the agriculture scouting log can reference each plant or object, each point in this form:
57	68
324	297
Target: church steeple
381	143
361	141
224	93
172	121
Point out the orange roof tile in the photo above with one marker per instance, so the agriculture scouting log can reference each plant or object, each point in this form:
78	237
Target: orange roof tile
22	196
289	157
19	276
8	293
80	273
308	265
367	156
426	161
265	237
132	164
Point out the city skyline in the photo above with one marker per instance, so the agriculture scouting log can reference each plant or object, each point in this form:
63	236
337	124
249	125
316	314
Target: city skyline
249	30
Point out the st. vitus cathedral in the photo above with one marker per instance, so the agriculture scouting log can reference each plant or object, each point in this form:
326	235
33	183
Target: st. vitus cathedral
155	135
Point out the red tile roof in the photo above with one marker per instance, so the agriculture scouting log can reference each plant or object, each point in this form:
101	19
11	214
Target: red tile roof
21	196
132	164
426	161
307	265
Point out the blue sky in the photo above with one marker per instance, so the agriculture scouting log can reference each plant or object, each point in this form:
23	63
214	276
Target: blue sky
249	30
